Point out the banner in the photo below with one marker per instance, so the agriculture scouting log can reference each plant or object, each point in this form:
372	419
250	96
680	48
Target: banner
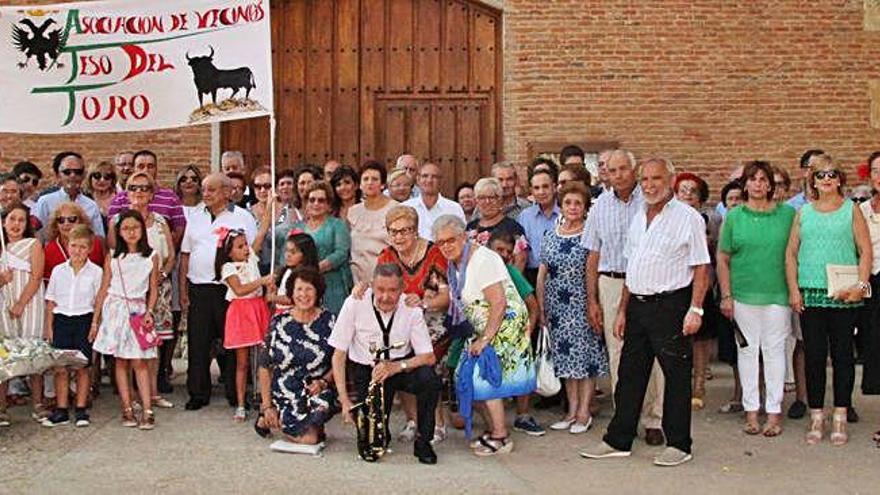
129	65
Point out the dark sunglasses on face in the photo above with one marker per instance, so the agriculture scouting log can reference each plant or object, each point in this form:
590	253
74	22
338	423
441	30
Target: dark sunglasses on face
189	178
24	179
70	219
100	176
317	200
260	187
826	174
137	188
861	199
73	171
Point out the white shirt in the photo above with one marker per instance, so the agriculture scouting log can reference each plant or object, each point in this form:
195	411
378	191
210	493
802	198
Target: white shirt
247	272
48	202
74	294
661	257
607	225
427	216
873	221
200	239
356	329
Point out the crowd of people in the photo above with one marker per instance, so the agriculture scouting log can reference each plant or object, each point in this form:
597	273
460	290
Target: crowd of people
630	275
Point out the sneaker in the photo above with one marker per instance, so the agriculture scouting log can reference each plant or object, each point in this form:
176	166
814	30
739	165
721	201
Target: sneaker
82	417
40	413
5	420
128	419
162	402
797	410
439	435
408	433
148	421
577	428
57	418
563	424
603	451
671	456
528	425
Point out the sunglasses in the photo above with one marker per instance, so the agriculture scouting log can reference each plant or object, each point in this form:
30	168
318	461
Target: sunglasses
189	178
70	219
860	199
317	200
24	179
73	171
826	174
100	176
136	188
260	187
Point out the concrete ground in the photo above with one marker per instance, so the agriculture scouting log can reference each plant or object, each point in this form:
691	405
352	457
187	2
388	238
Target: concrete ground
205	452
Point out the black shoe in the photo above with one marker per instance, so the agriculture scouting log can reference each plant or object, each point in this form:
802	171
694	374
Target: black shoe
195	405
851	415
797	410
82	417
424	452
58	417
164	386
654	436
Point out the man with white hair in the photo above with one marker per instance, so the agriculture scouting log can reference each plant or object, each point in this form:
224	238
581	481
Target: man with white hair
431	205
661	308
412	165
232	162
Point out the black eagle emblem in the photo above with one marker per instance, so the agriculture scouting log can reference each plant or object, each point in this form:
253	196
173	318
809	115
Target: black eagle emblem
38	44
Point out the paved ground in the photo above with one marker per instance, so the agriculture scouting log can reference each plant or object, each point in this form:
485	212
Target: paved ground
204	452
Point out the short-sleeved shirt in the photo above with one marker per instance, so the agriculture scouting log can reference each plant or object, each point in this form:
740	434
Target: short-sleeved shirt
247	272
427	216
202	233
481	235
606	228
485	268
756	242
74	293
165	202
873	221
535	223
523	287
55	254
48	202
661	257
356	329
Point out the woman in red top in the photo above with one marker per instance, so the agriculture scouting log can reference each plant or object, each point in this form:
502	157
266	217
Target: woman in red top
65	216
424	284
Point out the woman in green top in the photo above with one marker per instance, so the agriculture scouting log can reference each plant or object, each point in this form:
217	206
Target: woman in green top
827	231
333	241
751	274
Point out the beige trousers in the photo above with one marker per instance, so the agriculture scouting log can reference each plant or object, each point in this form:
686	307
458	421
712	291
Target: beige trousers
610	290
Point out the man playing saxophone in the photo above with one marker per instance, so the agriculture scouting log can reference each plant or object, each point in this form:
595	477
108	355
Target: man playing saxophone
380	319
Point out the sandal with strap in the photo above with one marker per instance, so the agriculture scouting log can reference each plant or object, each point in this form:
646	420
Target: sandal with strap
838	429
491	446
817	425
772	430
128	419
751	428
475	443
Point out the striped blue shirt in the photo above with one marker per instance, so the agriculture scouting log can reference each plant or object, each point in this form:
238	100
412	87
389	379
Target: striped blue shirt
534	222
606	228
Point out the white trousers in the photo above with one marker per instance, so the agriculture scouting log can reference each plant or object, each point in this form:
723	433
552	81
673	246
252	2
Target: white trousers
610	290
765	328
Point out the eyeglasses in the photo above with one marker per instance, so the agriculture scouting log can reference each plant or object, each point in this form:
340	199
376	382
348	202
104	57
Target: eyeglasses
189	178
260	187
73	171
100	176
137	188
70	219
317	200
486	199
441	243
24	179
403	231
826	174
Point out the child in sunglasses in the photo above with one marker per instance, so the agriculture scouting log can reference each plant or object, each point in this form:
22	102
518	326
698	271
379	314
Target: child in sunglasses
247	318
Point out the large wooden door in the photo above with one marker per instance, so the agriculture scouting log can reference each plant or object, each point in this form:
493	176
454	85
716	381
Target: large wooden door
372	79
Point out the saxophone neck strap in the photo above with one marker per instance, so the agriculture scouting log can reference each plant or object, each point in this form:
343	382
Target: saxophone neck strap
386	330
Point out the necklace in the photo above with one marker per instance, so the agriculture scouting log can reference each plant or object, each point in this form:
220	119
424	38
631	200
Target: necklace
410	260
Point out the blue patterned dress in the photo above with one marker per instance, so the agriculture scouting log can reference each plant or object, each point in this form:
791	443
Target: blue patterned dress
297	354
576	350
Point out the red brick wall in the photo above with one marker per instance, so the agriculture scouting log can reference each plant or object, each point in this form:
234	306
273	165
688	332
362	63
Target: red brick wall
706	83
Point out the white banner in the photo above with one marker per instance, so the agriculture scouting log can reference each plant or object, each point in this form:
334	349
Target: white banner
128	65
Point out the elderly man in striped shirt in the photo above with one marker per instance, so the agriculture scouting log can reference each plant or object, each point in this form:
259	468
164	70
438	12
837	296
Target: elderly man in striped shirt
667	274
605	237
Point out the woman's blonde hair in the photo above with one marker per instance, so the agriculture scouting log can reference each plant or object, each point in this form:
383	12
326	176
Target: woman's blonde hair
99	167
141	175
67	205
401	211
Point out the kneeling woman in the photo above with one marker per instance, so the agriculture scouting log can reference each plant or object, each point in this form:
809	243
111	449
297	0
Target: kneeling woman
295	368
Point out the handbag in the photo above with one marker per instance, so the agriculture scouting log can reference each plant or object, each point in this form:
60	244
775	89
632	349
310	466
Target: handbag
146	335
548	384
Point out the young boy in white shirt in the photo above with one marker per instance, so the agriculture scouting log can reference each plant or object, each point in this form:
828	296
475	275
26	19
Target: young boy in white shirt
70	305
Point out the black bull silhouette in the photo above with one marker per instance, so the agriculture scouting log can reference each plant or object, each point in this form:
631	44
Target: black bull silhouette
208	78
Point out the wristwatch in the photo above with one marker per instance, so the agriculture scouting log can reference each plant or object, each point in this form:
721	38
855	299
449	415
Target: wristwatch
698	311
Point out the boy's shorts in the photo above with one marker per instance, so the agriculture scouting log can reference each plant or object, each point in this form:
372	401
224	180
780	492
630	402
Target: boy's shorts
72	333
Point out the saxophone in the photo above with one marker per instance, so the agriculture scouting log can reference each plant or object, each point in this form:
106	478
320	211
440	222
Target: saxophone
369	415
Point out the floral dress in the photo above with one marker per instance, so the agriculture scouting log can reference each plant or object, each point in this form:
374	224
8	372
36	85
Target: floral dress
299	353
577	351
511	344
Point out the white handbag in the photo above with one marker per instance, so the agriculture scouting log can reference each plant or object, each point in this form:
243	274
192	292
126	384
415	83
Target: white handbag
548	383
